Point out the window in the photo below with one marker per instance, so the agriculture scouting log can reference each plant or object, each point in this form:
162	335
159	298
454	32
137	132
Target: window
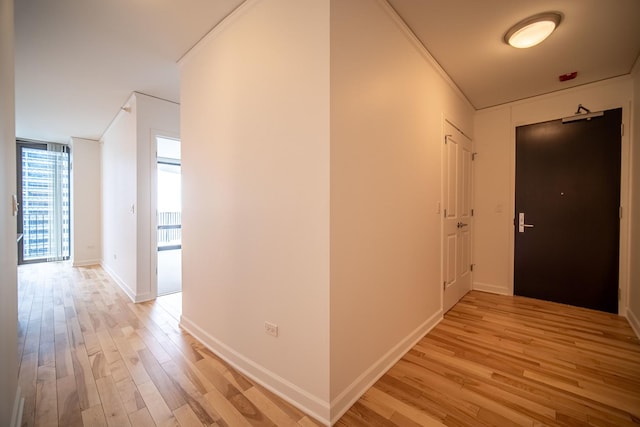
44	200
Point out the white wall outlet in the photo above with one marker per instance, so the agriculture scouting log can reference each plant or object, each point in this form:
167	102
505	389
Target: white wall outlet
271	329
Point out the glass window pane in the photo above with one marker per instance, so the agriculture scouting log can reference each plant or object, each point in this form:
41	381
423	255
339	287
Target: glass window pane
45	204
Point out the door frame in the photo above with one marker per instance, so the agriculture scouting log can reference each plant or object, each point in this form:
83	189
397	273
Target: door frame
153	197
625	186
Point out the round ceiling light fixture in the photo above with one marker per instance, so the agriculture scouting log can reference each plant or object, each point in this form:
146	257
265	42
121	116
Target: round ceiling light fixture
533	30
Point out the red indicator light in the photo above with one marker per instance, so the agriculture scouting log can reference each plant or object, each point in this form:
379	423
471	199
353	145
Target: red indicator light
568	76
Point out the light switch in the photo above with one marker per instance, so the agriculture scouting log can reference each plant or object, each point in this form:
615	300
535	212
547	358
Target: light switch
14	204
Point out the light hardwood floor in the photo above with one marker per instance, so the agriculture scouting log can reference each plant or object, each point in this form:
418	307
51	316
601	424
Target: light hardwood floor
88	356
511	361
172	304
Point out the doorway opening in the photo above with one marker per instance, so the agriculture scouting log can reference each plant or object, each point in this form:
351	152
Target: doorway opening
44	225
169	216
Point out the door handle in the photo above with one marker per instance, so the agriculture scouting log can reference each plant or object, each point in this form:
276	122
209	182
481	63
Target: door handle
521	223
461	224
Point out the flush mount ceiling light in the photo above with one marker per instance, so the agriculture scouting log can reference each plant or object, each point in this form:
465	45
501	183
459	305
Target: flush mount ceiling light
533	30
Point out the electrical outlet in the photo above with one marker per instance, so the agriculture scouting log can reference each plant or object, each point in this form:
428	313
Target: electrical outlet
271	329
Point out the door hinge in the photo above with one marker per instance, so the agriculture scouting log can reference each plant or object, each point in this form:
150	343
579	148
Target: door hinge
621	129
445	213
471	212
445	138
620	212
472	267
473	156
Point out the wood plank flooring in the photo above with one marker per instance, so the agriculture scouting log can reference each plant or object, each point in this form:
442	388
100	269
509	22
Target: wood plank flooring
172	304
90	357
511	361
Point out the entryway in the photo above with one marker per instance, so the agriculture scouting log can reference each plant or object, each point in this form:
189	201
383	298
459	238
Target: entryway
567	235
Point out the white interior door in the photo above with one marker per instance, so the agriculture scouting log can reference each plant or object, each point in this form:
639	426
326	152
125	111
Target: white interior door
457	216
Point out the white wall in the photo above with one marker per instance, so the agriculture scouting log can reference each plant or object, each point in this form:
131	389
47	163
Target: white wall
493	213
256	218
633	313
388	101
8	252
86	202
495	174
127	161
119	181
255	168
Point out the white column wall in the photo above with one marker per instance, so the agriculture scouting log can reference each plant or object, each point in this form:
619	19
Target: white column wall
255	170
389	100
119	198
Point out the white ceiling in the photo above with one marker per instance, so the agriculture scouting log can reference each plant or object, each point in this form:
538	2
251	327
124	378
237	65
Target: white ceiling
599	39
77	61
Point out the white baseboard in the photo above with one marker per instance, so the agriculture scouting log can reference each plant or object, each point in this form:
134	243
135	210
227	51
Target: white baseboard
86	262
357	388
121	283
493	289
305	401
18	407
144	297
136	298
633	321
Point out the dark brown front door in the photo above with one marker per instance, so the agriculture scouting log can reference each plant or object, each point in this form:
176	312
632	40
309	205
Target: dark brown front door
567	226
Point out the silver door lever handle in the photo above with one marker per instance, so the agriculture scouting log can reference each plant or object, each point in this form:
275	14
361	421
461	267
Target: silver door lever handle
521	224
